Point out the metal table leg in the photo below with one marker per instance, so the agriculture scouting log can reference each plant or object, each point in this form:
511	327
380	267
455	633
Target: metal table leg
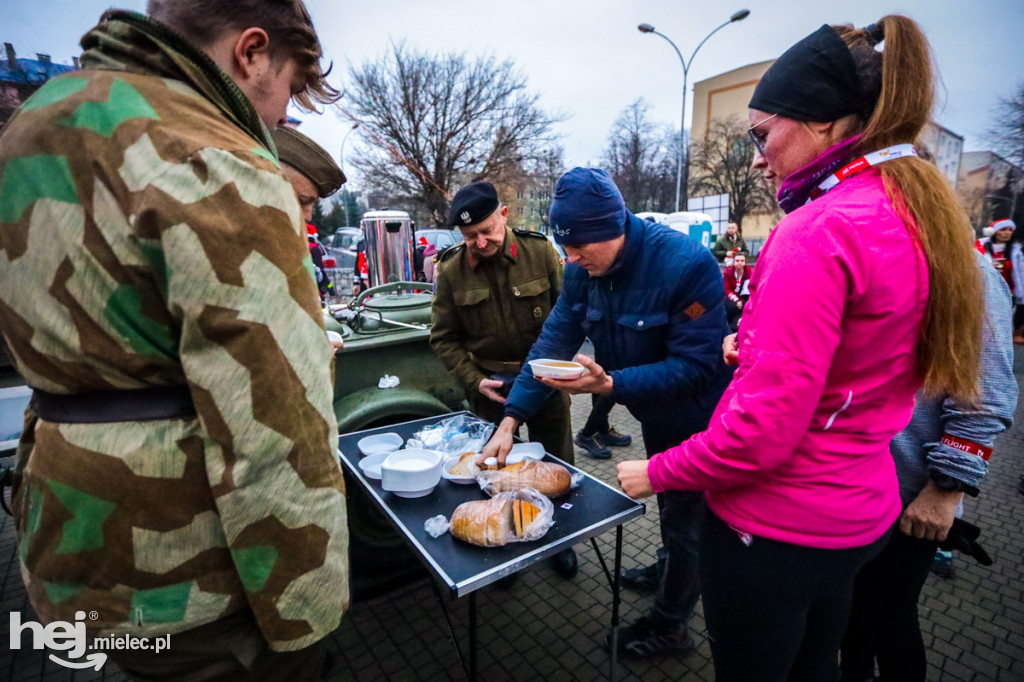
615	603
472	637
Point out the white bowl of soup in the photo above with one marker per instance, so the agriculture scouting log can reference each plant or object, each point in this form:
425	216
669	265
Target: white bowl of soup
557	369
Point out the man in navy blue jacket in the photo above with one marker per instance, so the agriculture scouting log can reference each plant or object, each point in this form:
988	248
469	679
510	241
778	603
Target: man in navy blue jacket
651	301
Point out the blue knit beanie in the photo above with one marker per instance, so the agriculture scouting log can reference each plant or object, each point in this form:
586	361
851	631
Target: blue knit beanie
587	208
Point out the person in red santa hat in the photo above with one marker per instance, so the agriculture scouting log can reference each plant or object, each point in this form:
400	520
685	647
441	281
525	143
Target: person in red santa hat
1004	252
735	279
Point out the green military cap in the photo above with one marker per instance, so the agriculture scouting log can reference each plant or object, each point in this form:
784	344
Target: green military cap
310	159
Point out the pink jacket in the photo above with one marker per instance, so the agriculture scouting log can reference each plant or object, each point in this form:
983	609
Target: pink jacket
798	447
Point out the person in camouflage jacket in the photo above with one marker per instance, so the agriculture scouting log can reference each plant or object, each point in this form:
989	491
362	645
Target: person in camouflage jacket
148	239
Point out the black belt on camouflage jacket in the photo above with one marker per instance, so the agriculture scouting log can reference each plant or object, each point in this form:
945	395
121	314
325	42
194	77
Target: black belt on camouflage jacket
495	365
105	407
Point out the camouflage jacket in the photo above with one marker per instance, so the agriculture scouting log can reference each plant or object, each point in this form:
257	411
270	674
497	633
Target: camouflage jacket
492	309
147	237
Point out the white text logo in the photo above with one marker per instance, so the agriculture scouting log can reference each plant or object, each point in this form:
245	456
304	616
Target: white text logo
71	637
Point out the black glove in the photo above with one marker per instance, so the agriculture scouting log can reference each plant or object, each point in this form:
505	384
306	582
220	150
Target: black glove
962	537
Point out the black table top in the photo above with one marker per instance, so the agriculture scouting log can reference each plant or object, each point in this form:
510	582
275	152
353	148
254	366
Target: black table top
587	511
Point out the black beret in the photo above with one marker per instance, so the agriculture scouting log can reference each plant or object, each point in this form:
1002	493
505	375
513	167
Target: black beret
473	204
310	159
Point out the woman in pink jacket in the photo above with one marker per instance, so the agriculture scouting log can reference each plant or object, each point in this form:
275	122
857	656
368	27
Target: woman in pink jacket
874	254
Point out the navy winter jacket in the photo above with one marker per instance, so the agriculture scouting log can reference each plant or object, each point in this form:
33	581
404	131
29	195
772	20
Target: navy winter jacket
656	319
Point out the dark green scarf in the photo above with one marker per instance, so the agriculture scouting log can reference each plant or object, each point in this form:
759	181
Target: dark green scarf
128	41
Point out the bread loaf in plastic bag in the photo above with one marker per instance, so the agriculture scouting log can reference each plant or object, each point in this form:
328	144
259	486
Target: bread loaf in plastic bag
515	516
547	478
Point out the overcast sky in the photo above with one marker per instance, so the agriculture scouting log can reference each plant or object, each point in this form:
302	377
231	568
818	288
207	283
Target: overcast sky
587	59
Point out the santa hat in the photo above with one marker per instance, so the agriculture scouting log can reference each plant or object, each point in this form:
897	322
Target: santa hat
311	230
997	225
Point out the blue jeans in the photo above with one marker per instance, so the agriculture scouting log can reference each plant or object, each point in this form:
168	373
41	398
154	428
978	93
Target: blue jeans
681	517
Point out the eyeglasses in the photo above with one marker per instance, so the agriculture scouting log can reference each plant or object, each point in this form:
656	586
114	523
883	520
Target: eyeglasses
759	141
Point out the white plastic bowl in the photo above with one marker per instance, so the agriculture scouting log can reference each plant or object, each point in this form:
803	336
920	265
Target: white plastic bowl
557	369
371	465
380	444
521	451
411	471
446	473
415	493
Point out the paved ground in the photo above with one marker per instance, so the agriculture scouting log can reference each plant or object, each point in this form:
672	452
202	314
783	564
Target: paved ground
548	628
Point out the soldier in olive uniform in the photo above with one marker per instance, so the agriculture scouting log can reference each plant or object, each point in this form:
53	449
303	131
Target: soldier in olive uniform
492	295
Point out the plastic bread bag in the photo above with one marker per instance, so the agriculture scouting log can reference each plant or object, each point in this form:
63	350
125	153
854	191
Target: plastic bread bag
465	433
455	435
550	479
520	516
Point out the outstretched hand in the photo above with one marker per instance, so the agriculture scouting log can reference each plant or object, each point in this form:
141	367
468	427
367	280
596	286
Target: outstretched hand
500	443
595	381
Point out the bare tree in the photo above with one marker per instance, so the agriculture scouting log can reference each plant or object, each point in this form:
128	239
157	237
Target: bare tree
1007	133
638	157
721	164
545	171
1007	136
431	122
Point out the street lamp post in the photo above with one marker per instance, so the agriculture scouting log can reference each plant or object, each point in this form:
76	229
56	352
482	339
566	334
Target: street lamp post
341	164
341	156
682	186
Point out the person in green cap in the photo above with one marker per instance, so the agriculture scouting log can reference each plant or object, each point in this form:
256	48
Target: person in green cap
314	175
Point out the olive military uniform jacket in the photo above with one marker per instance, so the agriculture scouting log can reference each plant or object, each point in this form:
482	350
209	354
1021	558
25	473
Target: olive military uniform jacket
492	309
148	238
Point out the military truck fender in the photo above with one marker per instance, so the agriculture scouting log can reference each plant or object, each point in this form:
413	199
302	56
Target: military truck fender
372	407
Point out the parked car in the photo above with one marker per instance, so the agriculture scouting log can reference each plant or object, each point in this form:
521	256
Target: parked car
343	246
440	239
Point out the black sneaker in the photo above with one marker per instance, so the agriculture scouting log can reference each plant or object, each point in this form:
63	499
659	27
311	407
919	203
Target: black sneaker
644	578
613	439
592	447
647	637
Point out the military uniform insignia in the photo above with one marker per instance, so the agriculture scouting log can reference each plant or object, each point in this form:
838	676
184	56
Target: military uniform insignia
695	310
537	312
465	217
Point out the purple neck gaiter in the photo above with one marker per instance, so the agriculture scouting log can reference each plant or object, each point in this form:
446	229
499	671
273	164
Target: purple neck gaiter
799	184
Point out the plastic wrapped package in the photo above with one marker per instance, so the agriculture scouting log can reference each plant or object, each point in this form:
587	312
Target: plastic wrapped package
456	435
548	478
519	516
